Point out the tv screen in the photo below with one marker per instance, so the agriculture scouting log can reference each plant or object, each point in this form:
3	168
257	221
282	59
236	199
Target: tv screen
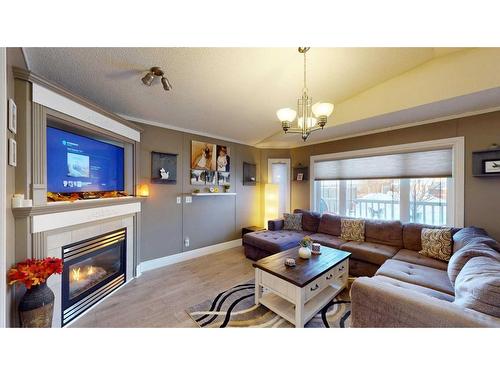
80	164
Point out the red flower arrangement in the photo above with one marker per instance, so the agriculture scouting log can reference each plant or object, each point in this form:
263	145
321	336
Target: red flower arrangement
34	271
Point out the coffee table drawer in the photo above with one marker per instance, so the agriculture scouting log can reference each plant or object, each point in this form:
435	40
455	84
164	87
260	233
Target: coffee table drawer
314	287
279	286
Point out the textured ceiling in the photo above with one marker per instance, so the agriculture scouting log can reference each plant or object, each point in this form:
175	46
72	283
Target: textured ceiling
231	93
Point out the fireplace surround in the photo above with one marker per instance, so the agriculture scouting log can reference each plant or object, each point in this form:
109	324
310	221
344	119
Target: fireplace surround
93	268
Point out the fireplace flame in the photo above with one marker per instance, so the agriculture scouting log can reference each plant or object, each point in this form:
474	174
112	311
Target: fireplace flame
90	271
76	274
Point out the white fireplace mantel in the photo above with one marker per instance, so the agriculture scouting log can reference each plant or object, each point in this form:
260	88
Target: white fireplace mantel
46	222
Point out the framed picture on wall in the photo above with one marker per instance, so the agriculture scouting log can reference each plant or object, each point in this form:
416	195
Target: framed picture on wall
12	152
203	155
12	116
491	166
163	168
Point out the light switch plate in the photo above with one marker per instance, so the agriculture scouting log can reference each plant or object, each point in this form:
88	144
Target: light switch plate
179	200
189	199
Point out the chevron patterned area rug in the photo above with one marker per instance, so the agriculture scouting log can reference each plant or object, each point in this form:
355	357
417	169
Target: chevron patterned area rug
235	307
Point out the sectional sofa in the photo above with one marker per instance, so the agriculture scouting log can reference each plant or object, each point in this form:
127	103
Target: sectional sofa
396	286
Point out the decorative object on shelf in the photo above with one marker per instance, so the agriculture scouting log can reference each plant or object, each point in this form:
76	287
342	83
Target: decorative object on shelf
12	152
153	72
290	262
37	305
143	190
306	123
300	173
226	188
491	166
196	191
249	174
305	247
486	163
17	200
12	116
163	168
316	249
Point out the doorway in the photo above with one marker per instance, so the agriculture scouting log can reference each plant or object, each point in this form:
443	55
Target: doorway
278	172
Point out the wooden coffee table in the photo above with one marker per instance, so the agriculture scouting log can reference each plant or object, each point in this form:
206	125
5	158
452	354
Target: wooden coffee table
298	293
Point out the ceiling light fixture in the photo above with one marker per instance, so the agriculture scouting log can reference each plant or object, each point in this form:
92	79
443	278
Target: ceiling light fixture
320	110
156	72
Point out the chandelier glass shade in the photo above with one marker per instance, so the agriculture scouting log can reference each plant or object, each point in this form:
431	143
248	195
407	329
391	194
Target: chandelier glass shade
316	116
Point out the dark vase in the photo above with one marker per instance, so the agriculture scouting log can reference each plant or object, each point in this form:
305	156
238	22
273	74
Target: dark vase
36	307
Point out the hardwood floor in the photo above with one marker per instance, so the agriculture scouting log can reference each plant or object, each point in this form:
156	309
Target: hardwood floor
159	297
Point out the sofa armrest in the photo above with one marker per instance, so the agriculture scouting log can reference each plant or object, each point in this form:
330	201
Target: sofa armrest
379	304
276	224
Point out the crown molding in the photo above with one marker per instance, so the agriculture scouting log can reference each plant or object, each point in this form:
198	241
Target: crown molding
387	129
33	78
183	130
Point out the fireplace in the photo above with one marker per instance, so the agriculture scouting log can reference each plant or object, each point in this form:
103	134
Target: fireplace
93	268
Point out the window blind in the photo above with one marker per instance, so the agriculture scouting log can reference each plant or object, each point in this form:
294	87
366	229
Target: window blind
421	164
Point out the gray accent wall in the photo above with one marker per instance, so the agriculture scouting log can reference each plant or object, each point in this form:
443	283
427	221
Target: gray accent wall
208	220
14	58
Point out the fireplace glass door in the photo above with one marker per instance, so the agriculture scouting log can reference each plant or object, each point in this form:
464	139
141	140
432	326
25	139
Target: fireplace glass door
92	269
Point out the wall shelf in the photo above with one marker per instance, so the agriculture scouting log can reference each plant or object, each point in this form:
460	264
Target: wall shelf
480	157
205	194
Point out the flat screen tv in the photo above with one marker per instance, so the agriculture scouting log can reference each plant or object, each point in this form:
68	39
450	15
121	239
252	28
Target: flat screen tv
77	163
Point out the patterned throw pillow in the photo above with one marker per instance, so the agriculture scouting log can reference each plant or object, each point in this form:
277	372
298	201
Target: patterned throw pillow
292	221
436	243
352	230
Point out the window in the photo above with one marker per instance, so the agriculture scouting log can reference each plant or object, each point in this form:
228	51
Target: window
418	182
417	200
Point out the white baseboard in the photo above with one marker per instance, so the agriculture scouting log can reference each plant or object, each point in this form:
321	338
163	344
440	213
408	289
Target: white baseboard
181	257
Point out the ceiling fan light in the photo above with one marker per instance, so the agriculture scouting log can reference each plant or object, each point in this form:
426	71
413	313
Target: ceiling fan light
322	109
148	79
286	114
166	83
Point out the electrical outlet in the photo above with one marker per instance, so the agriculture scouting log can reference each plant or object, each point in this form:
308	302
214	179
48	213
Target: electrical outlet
186	242
179	200
189	199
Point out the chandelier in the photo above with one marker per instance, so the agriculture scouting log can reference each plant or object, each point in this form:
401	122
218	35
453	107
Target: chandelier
306	122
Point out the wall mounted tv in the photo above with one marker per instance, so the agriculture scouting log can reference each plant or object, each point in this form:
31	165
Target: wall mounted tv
77	163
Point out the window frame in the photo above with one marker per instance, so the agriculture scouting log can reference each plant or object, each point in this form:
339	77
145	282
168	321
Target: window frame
455	210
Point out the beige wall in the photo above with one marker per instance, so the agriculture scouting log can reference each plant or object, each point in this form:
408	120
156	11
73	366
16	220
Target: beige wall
482	195
207	220
14	58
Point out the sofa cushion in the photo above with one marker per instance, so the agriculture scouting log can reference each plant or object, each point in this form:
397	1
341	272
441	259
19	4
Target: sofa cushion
415	274
330	224
370	252
310	220
477	286
274	241
327	240
417	288
473	234
415	257
292	221
384	232
469	251
436	243
412	235
352	229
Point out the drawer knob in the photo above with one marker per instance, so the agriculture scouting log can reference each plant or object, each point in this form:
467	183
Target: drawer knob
329	277
314	288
